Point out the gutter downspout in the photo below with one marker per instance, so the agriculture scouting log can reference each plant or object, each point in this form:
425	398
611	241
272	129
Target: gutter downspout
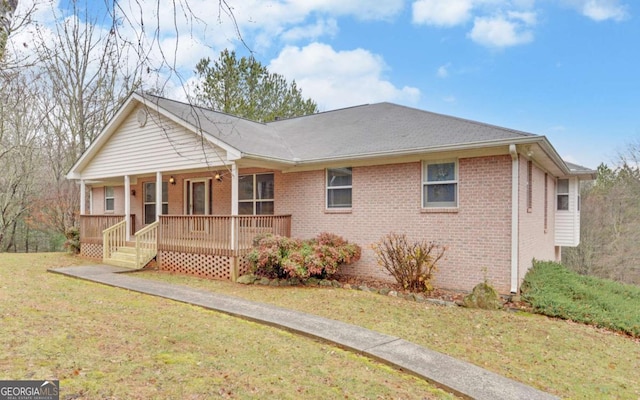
514	217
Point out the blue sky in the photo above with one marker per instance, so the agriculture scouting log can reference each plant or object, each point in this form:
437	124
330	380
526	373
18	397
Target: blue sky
566	69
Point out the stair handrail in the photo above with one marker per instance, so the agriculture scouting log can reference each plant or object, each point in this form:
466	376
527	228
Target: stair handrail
146	239
113	237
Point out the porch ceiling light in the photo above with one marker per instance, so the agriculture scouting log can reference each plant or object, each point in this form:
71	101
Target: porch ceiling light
172	180
218	177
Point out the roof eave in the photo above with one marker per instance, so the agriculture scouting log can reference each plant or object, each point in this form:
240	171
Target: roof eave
421	150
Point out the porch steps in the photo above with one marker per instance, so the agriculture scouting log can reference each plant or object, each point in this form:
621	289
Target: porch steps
126	257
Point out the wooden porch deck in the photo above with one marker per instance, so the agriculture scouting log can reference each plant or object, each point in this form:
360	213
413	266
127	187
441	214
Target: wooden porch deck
225	235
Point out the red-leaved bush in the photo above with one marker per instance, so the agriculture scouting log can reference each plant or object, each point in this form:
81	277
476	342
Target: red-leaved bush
282	257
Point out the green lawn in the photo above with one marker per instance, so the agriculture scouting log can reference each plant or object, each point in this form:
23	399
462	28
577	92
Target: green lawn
562	357
109	343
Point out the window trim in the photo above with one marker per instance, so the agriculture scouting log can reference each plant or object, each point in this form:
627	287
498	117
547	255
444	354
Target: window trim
145	203
567	194
424	183
328	188
208	195
107	198
254	200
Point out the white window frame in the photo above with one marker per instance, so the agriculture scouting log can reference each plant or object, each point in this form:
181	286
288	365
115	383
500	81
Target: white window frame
426	183
145	202
558	194
254	200
108	197
187	193
329	188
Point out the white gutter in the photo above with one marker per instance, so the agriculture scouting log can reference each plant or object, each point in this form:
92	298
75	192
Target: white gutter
514	217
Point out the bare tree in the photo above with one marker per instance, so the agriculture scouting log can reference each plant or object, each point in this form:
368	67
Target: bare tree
7	8
610	224
18	154
85	79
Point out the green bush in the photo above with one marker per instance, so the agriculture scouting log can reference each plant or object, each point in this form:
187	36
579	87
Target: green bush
554	290
282	257
412	264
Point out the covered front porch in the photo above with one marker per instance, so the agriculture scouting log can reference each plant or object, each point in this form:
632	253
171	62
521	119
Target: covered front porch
159	182
180	219
205	245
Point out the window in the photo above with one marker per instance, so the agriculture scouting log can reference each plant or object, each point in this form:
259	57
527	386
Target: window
109	198
339	187
440	184
562	191
256	194
150	201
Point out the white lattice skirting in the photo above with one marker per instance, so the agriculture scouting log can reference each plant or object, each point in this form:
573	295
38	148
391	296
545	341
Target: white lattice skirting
203	265
91	250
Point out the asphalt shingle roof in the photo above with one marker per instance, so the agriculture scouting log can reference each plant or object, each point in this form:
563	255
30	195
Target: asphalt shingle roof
368	129
381	128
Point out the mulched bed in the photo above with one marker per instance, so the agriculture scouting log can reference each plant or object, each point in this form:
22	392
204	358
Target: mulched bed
439	294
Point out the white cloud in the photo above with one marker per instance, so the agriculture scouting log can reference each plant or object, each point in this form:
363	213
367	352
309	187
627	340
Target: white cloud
528	18
500	31
601	10
336	79
441	12
322	27
443	70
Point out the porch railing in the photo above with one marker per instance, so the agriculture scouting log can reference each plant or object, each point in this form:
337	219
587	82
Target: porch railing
114	238
146	244
91	226
229	235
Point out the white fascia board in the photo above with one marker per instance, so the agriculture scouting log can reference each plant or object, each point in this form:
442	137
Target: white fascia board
568	172
416	151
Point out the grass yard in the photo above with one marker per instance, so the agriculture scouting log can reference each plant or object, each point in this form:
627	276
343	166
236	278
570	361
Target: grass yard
108	343
565	358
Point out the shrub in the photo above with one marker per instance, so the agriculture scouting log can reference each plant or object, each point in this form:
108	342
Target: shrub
72	244
554	290
412	264
281	257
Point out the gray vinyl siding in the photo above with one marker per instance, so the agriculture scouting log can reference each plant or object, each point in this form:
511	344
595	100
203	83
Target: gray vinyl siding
567	226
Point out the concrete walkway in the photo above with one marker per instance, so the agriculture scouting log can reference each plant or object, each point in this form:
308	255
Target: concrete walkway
456	376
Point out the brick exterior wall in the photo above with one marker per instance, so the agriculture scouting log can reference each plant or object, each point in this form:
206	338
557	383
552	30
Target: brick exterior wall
387	198
534	240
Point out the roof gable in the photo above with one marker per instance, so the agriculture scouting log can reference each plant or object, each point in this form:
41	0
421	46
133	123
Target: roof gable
361	132
159	145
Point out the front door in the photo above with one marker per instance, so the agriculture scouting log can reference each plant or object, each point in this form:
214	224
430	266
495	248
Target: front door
197	201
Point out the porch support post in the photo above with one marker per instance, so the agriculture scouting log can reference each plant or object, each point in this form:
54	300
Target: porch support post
234	222
91	201
234	189
158	195
83	194
127	206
